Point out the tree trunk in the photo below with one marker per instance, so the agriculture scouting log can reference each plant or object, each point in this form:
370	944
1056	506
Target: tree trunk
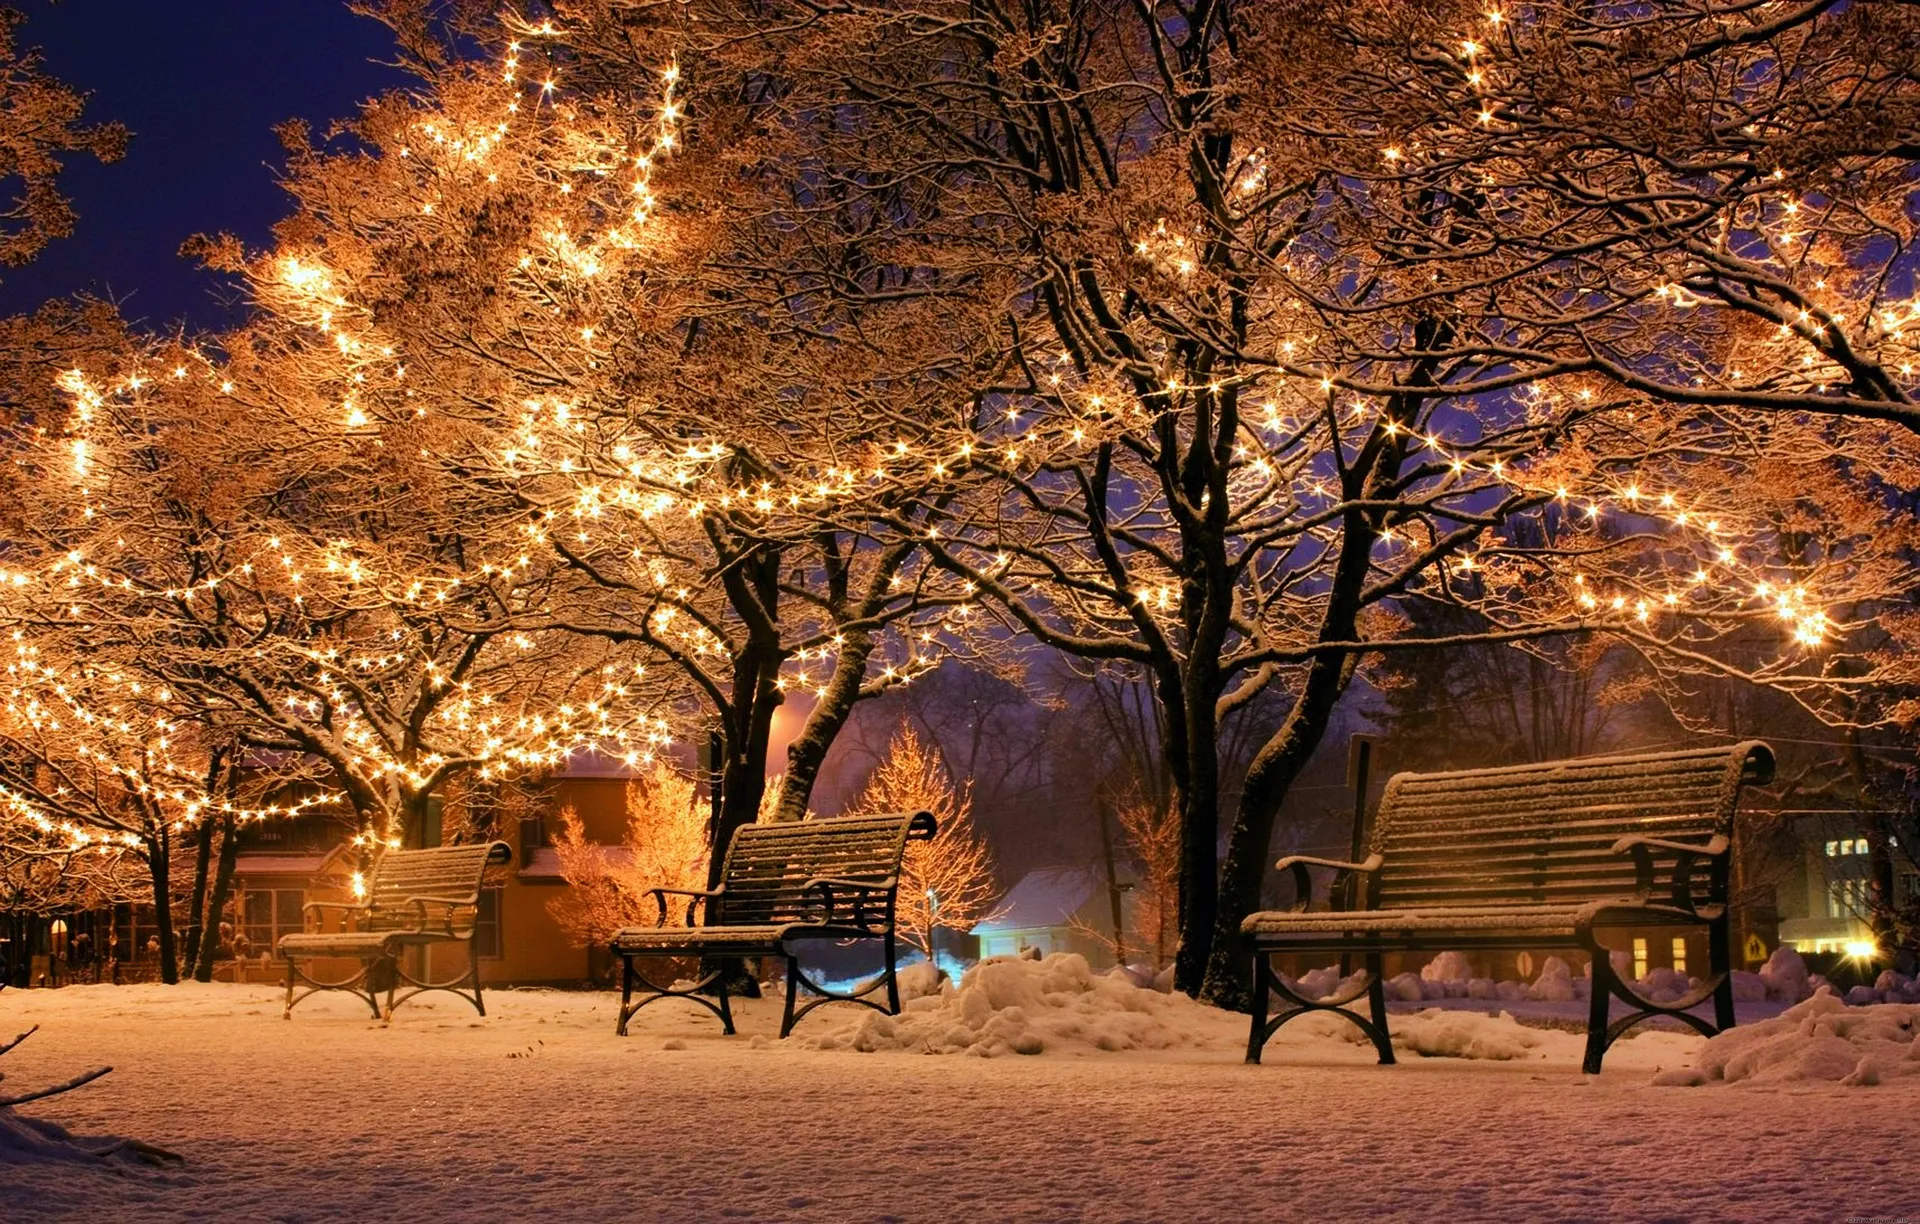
743	778
222	887
808	752
1274	770
1199	893
197	897
159	868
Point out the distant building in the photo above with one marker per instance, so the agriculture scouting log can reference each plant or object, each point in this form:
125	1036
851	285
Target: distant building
1825	904
1057	909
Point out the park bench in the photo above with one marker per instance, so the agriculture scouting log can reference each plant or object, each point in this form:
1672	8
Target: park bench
782	885
414	899
1524	858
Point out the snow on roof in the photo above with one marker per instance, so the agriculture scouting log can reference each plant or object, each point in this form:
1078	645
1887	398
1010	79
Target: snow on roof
1048	897
543	863
279	864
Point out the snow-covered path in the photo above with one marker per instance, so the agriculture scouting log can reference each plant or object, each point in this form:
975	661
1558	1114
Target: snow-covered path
540	1112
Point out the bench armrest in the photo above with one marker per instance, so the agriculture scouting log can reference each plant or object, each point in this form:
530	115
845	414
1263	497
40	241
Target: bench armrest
419	906
363	909
1303	883
1686	854
862	893
694	897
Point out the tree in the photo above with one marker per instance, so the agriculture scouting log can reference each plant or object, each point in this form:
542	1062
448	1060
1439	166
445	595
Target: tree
39	121
1270	372
545	291
946	880
664	846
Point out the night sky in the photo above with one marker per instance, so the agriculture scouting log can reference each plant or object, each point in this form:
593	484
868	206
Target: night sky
200	84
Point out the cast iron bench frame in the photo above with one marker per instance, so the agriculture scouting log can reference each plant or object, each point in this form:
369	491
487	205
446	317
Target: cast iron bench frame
1525	858
782	884
415	899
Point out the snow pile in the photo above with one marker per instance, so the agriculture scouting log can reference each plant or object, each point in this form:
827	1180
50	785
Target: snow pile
1819	1041
1555	983
1019	1006
1889	987
1450	971
25	1140
1785	976
1440	1033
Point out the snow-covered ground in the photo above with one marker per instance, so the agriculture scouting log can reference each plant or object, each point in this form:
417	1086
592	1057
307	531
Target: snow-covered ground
1137	1106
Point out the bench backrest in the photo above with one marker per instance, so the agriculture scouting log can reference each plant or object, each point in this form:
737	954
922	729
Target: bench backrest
1544	833
441	873
768	866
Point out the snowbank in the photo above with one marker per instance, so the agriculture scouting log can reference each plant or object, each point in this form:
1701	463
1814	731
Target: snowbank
1019	1006
1060	1006
1438	1033
1819	1041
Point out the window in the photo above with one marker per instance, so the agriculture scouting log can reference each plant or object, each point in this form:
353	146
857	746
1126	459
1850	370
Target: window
1847	898
1639	959
1833	849
1679	954
269	913
1860	845
486	924
133	927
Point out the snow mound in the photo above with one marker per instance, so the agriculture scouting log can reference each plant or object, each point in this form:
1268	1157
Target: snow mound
1819	1041
25	1140
1054	1005
1440	1033
1555	983
1785	976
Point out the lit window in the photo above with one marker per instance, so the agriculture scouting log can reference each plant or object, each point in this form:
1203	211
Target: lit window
1639	959
1833	849
1860	846
1679	954
1846	847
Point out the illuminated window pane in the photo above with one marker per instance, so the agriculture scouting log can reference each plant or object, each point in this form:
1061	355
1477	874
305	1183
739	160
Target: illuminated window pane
1680	954
1860	846
1639	958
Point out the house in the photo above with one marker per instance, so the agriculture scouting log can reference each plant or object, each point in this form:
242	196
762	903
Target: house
1058	909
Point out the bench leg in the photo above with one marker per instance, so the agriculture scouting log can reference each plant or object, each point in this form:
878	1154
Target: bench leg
1267	983
473	970
893	981
626	996
1602	996
726	1009
361	985
1720	964
1257	1036
1377	1004
793	994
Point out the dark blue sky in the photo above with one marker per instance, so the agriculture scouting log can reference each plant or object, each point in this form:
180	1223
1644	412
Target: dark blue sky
200	83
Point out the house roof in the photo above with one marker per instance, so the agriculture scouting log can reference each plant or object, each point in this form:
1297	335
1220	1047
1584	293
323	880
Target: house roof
1048	897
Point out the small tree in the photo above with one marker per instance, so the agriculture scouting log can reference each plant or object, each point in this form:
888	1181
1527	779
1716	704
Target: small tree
665	847
1152	832
946	881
